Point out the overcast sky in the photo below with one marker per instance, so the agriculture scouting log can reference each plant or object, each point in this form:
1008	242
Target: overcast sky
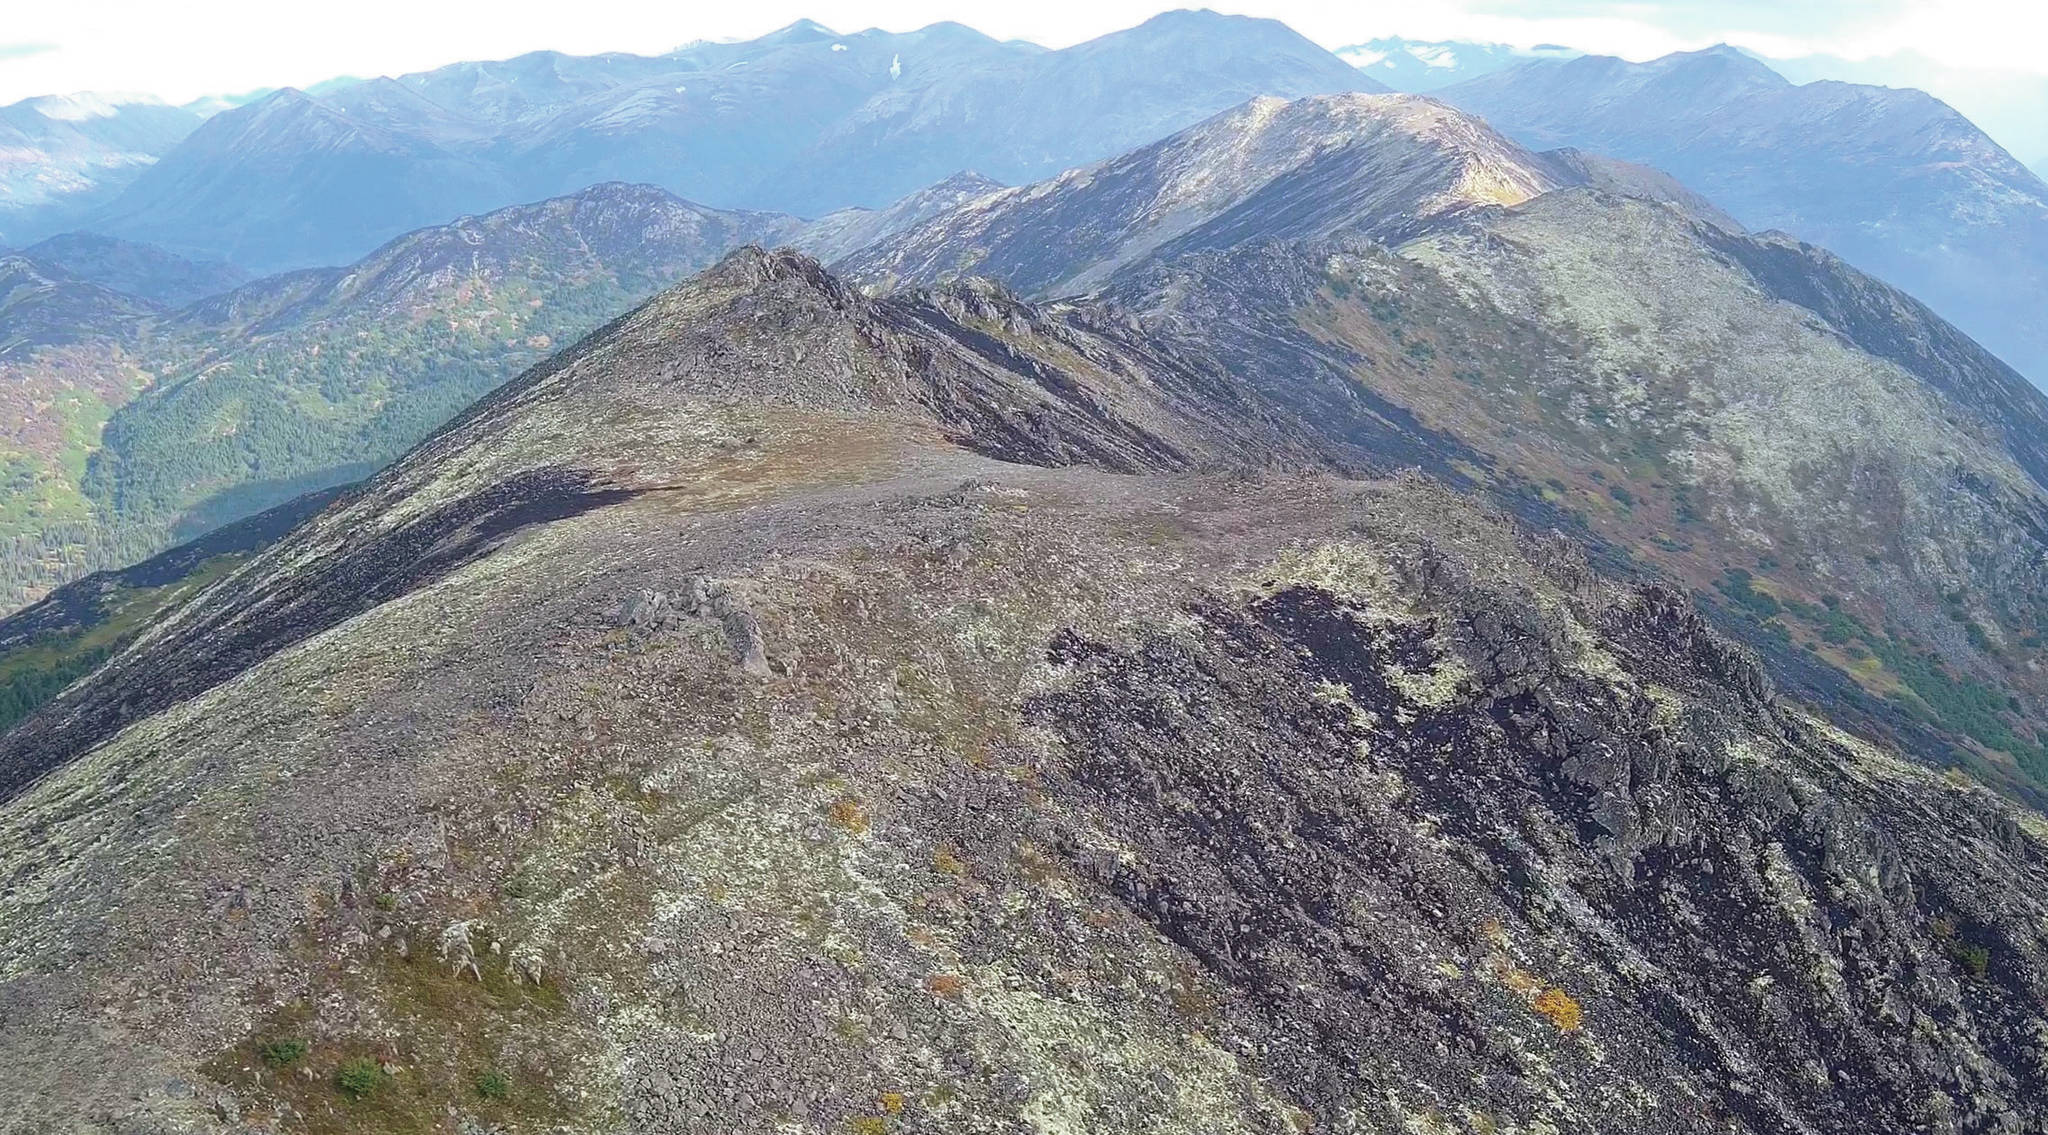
181	49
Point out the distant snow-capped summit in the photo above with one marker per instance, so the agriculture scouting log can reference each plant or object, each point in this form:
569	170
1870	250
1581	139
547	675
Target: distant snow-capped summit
82	106
1424	65
59	154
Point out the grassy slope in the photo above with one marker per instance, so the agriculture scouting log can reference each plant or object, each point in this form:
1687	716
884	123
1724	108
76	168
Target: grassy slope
1610	463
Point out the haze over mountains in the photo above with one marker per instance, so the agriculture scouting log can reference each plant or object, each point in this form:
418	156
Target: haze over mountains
806	121
62	156
1325	612
802	121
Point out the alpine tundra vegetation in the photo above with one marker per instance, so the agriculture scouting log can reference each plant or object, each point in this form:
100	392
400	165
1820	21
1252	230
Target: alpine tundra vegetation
1287	610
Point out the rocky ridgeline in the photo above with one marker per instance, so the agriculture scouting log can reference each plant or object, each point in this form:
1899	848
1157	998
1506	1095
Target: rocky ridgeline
798	710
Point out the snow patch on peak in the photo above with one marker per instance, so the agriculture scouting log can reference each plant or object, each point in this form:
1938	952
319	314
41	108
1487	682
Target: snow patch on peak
86	105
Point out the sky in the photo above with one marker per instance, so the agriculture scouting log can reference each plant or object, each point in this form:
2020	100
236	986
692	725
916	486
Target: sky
1985	52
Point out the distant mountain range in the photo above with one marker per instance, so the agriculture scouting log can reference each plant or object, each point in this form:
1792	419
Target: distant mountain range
806	121
803	121
2005	101
1893	180
1528	359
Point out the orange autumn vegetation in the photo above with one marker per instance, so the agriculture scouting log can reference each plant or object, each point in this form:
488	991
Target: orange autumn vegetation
1559	1006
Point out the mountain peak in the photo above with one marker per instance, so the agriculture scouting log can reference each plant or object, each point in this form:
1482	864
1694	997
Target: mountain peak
1205	31
799	31
1376	165
1728	59
967	180
1191	17
751	265
952	32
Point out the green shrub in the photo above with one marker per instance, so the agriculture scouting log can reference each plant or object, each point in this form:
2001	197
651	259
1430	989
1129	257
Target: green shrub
1973	958
493	1085
358	1077
279	1053
1735	584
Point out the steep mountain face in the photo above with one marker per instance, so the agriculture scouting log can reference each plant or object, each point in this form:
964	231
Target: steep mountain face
1858	485
1383	165
68	355
803	121
140	270
793	709
61	156
1802	415
1893	180
290	180
61	638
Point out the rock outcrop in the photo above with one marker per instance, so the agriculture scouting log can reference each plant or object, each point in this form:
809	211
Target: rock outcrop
792	710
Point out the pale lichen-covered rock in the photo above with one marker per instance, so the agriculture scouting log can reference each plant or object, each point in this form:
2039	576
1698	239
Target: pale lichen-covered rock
1093	785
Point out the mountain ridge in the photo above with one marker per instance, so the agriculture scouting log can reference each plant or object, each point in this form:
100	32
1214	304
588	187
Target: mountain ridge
1288	797
327	372
1333	619
1958	222
140	270
1201	175
1595	343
